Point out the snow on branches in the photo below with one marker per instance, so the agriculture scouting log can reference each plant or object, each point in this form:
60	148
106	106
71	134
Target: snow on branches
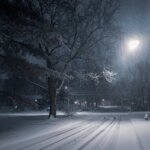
96	77
109	75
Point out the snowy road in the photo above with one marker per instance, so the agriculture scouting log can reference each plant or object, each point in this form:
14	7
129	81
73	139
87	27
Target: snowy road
85	131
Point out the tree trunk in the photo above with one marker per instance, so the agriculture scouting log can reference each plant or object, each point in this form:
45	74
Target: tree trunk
96	103
52	97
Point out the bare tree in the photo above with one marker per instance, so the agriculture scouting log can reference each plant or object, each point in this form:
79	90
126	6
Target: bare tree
57	32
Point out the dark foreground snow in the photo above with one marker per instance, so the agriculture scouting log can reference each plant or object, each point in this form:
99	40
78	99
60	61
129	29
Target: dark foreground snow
84	131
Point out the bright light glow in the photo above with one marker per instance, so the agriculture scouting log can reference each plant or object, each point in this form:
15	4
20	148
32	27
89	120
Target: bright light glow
66	87
133	45
76	102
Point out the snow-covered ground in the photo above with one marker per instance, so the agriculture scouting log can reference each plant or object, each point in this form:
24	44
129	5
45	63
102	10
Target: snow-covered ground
83	131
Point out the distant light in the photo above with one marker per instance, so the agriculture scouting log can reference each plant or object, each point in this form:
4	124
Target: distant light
133	45
76	102
66	87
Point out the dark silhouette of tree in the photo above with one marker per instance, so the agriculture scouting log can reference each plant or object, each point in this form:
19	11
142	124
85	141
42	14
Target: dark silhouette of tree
43	40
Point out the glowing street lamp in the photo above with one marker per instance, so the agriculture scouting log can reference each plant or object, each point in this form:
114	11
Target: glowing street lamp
66	87
133	45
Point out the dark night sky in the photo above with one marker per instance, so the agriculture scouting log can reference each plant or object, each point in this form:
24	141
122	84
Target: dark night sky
135	16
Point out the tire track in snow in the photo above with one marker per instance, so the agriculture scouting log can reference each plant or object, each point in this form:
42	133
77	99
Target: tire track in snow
114	141
53	135
28	143
109	140
63	141
102	133
137	137
94	135
69	136
69	142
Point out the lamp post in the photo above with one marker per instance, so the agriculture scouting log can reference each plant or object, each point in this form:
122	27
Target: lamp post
145	103
66	88
132	105
103	102
130	47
